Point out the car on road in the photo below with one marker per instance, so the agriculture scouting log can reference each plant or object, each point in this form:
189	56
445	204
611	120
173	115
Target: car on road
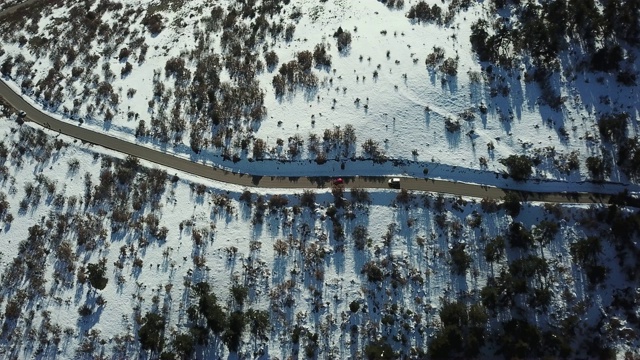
22	113
394	183
338	181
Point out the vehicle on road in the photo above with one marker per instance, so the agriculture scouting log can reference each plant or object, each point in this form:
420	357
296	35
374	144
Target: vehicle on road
394	183
338	181
22	113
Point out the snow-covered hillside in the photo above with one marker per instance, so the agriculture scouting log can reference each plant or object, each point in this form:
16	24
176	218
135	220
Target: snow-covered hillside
103	256
337	273
197	75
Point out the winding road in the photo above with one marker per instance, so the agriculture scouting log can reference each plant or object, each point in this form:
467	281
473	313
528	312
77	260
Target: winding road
39	117
251	180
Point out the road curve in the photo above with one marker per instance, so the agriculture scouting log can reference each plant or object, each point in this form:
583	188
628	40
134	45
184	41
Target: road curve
250	180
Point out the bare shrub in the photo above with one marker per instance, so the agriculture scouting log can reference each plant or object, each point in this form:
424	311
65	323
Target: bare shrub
343	39
305	60
308	198
154	23
271	59
124	53
321	56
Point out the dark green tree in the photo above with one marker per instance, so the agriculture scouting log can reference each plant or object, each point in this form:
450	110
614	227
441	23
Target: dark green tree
379	350
233	334
239	293
518	166
151	333
183	345
512	204
213	313
96	275
259	323
519	236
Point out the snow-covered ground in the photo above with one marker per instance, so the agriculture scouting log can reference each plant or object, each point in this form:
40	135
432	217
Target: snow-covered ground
215	237
391	110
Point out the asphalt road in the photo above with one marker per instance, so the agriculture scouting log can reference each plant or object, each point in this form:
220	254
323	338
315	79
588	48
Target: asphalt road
255	180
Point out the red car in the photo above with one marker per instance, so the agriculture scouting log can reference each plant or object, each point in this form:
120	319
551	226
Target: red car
338	181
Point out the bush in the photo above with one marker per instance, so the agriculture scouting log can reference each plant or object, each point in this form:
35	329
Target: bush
343	39
421	11
308	199
451	125
354	306
278	201
373	272
519	236
320	55
305	60
124	53
512	204
461	261
183	345
519	166
239	293
596	167
233	334
450	67
153	22
613	127
96	275
379	350
84	310
271	59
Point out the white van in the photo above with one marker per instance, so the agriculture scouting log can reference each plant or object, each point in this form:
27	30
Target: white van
394	182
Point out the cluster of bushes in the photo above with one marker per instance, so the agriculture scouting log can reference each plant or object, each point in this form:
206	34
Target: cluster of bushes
423	12
462	331
613	128
295	73
339	140
209	317
372	149
153	22
343	39
543	29
518	166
